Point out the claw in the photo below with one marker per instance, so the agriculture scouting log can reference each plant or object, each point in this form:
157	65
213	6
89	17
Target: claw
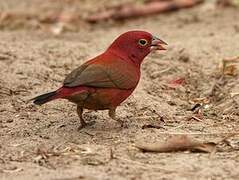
91	123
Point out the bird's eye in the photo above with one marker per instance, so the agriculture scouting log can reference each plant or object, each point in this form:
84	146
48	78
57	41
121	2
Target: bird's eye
143	42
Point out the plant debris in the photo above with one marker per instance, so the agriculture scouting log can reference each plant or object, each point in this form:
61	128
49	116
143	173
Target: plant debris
13	169
146	126
230	66
176	82
132	10
179	143
228	3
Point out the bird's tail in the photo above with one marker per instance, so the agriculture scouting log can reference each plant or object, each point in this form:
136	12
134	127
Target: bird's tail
44	98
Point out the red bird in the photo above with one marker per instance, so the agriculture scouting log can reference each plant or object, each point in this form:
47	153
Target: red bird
108	79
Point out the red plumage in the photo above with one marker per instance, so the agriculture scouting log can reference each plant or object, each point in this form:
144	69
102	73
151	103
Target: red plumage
108	79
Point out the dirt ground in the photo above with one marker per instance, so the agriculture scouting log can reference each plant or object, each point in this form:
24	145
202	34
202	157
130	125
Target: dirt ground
44	143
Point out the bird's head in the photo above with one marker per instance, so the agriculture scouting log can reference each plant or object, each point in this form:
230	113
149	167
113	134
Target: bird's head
136	45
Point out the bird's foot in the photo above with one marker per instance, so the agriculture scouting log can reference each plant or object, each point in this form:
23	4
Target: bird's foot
83	125
112	114
122	123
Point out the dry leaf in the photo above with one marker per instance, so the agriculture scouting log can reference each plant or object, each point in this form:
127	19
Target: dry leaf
230	66
230	70
178	143
176	82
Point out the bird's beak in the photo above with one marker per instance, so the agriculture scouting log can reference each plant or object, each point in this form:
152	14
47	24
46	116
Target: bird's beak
157	44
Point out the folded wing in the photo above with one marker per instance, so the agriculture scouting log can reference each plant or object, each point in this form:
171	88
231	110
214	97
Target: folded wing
110	73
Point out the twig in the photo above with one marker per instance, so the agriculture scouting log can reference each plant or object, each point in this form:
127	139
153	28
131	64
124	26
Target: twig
234	94
147	126
125	11
196	118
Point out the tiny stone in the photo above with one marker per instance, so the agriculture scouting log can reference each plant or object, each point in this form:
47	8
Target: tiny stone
9	121
184	58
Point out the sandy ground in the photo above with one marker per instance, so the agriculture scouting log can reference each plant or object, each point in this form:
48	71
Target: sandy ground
44	143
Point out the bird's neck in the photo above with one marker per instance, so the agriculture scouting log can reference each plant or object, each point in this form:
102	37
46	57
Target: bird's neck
127	57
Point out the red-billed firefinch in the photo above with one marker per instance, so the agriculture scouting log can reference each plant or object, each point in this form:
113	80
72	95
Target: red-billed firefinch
108	79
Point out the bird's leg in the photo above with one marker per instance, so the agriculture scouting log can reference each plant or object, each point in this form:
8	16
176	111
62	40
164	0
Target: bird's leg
80	114
82	121
112	114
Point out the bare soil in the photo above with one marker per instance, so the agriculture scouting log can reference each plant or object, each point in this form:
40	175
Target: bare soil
44	143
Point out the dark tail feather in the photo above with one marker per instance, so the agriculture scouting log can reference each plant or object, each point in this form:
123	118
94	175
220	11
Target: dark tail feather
44	98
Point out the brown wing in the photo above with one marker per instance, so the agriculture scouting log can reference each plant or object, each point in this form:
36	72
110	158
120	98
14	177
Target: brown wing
113	74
